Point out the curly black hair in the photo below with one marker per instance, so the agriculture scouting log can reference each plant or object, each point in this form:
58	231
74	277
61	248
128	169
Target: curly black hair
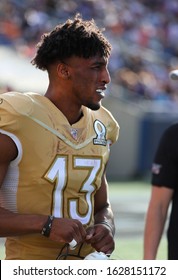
75	37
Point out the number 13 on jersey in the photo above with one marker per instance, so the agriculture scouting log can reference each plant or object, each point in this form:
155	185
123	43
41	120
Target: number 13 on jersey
58	174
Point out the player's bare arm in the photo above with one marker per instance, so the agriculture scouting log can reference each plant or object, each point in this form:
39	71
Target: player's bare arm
63	230
101	236
11	223
155	220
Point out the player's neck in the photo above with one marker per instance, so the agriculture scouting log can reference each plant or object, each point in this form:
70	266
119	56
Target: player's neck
72	112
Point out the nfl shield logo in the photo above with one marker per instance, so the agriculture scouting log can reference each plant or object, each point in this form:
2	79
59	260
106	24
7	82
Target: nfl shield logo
74	133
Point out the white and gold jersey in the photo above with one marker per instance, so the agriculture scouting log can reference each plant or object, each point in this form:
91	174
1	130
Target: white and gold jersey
58	168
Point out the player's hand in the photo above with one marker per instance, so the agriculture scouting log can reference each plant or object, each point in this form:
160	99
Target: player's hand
101	238
65	230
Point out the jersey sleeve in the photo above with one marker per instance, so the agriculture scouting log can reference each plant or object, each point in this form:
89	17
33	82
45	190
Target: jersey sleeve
165	165
9	125
8	116
113	127
14	104
114	134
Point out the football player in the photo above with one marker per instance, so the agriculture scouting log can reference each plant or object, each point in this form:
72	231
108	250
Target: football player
54	149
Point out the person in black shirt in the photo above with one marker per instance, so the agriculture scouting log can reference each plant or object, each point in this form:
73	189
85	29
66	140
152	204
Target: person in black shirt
164	195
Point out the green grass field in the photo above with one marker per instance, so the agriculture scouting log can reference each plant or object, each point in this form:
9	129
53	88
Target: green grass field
129	201
132	249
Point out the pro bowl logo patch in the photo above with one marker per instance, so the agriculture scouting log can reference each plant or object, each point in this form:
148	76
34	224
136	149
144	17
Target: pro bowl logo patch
100	130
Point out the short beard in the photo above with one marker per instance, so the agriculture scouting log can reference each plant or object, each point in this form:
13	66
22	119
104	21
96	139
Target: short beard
94	107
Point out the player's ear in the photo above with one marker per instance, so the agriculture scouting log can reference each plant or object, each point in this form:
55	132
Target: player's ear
63	71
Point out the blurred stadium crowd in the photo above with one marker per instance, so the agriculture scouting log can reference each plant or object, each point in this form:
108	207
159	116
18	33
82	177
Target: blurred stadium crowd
143	33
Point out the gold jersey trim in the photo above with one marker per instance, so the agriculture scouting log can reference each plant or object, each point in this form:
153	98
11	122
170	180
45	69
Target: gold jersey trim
62	137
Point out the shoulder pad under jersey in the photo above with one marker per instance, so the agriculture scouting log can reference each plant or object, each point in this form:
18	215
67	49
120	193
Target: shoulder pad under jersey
20	102
112	125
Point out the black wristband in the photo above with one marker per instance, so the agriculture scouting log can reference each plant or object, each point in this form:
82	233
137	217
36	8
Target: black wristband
47	226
